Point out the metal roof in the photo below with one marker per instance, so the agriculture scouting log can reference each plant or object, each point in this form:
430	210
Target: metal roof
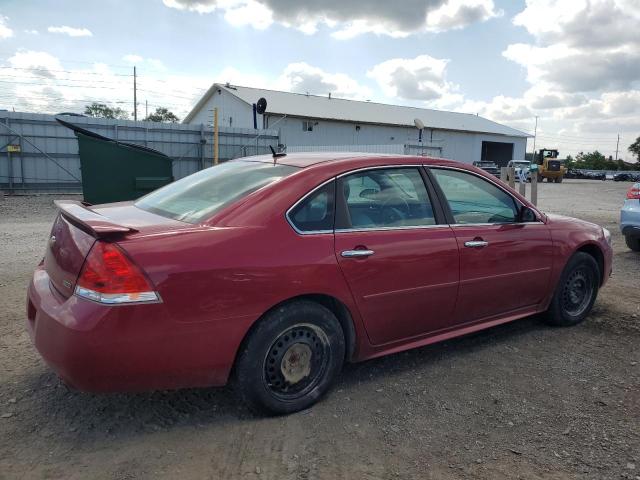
331	108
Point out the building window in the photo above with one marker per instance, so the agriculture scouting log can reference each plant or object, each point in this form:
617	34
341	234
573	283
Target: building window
307	126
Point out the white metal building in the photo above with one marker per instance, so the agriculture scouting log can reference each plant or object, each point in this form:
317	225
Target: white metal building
312	122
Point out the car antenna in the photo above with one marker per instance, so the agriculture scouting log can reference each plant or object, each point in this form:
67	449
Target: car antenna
276	155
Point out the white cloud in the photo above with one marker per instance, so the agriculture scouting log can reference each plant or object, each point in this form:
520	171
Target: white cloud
251	13
32	32
582	66
456	14
132	58
71	31
304	78
589	46
5	31
156	64
300	78
38	64
348	18
48	86
421	79
150	63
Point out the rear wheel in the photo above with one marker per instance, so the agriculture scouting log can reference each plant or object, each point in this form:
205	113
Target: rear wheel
576	291
291	358
559	180
633	242
540	178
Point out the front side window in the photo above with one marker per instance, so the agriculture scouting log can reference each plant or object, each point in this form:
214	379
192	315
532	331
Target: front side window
387	198
475	200
197	197
316	212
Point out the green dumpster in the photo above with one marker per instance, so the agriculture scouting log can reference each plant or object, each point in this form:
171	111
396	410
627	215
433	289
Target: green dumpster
116	171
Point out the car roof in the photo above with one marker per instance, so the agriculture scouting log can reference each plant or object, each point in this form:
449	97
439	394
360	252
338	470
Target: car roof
308	159
345	159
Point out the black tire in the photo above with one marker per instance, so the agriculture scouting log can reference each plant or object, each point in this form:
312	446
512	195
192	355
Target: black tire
559	180
300	341
632	242
576	291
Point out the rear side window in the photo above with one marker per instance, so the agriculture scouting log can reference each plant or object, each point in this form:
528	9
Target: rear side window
316	212
197	197
475	200
387	198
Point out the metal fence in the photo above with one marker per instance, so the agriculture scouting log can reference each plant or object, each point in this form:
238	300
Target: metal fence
394	149
38	154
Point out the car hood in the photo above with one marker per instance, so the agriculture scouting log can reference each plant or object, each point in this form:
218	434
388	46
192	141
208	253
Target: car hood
562	221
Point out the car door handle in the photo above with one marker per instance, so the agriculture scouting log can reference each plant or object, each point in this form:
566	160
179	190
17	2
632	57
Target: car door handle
357	253
476	244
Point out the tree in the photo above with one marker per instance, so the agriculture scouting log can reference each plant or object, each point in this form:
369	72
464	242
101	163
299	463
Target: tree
569	162
635	148
162	114
591	161
102	110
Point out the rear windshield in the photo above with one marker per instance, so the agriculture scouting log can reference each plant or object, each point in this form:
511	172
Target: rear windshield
198	196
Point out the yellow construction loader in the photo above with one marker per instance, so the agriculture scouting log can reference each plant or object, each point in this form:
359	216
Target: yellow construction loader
549	166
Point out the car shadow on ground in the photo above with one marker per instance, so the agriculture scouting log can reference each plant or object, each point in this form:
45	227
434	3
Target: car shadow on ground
70	414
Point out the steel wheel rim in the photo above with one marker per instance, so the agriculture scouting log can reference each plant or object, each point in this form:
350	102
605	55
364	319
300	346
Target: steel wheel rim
296	361
577	292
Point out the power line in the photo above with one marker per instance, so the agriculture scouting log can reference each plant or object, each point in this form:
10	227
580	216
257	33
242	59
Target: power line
166	94
58	85
58	79
79	62
81	72
577	137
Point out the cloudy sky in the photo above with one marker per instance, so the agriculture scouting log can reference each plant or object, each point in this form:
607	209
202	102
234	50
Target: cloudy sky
573	63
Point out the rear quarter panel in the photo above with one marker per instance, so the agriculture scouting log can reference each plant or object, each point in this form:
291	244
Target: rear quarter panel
220	280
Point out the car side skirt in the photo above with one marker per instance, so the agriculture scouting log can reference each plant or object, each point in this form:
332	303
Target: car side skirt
441	336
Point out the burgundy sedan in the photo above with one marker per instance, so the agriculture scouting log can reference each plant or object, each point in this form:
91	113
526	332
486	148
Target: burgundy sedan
273	272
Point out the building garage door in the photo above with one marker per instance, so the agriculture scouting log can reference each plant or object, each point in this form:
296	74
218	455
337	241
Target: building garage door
497	152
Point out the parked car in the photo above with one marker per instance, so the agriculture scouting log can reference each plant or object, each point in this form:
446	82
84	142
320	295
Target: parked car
596	176
522	169
630	218
625	177
488	167
273	272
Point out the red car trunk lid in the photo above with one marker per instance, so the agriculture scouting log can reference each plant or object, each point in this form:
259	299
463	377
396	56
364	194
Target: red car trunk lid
78	226
67	248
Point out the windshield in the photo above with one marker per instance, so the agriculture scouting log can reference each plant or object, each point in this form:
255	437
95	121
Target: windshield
198	196
521	164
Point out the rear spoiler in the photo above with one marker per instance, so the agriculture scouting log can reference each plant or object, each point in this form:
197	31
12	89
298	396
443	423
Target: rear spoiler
96	224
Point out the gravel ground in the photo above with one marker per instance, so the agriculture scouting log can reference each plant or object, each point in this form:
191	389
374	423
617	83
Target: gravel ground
518	401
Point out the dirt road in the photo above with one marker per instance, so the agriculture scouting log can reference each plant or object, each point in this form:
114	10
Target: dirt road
518	401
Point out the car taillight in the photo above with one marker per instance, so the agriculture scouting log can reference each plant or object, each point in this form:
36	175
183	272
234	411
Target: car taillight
634	193
108	276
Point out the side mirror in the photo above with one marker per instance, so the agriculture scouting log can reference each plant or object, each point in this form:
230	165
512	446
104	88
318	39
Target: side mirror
527	215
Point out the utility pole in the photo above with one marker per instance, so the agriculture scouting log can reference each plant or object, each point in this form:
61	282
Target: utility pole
535	134
146	109
135	96
617	145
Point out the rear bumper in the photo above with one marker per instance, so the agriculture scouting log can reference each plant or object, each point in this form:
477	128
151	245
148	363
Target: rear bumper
100	348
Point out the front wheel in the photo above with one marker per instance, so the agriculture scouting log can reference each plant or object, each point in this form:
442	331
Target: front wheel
576	291
633	242
290	359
